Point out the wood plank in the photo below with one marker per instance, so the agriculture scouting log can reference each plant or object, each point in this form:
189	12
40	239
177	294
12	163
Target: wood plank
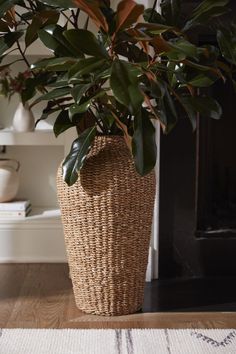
11	280
42	299
41	296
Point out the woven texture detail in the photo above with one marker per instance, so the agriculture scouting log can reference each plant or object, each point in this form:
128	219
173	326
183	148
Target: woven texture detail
107	217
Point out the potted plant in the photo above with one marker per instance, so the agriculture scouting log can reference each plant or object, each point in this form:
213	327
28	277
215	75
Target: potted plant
23	120
138	67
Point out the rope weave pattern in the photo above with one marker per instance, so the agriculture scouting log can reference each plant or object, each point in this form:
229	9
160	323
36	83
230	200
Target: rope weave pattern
107	216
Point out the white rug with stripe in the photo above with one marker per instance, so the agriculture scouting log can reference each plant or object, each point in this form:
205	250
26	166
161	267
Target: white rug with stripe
116	341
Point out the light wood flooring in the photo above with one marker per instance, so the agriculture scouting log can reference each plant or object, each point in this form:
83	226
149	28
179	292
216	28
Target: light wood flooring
40	296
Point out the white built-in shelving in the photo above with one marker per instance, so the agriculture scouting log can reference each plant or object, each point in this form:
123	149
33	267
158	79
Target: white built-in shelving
40	217
39	236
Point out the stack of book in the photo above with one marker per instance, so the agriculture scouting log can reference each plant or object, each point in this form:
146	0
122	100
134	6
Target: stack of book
15	209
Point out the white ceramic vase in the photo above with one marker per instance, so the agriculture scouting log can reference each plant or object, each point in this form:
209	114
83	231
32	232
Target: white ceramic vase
23	120
9	179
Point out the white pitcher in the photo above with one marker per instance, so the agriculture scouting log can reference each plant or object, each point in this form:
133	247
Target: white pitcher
9	179
23	120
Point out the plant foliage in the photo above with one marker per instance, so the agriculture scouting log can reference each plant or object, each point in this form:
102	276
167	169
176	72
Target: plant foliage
139	66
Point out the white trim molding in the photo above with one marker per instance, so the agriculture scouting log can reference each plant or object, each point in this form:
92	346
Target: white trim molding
152	269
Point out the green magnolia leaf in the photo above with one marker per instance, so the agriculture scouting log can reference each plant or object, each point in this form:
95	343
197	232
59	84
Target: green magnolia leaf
171	11
78	109
86	42
153	28
79	90
42	18
84	106
167	112
46	113
55	64
197	66
181	49
171	73
63	4
30	89
62	123
206	106
155	87
56	93
227	42
205	11
144	148
31	32
190	110
76	158
153	16
208	5
202	80
125	86
85	67
52	37
8	39
127	13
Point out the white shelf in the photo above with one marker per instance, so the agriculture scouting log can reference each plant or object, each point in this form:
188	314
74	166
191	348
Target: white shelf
36	138
40	218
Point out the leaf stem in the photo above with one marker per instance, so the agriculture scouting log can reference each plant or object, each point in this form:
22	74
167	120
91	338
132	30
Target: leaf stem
68	18
22	54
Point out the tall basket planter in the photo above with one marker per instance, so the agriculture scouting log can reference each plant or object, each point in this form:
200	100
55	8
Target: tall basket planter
107	216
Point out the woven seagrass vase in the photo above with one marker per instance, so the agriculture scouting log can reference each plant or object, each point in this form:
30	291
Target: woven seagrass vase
107	216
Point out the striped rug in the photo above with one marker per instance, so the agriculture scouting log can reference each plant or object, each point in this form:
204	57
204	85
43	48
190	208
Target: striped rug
116	341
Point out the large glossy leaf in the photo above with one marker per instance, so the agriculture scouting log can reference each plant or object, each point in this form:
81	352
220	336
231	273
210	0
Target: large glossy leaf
64	4
52	37
125	86
206	106
40	19
171	10
153	86
29	91
154	28
128	12
55	64
79	90
181	49
143	143
56	93
85	67
93	11
167	112
77	155
205	11
227	43
208	5
190	110
8	39
202	80
153	16
85	105
86	42
62	123
32	31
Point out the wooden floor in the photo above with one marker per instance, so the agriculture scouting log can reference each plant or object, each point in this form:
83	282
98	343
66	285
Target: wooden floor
40	296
